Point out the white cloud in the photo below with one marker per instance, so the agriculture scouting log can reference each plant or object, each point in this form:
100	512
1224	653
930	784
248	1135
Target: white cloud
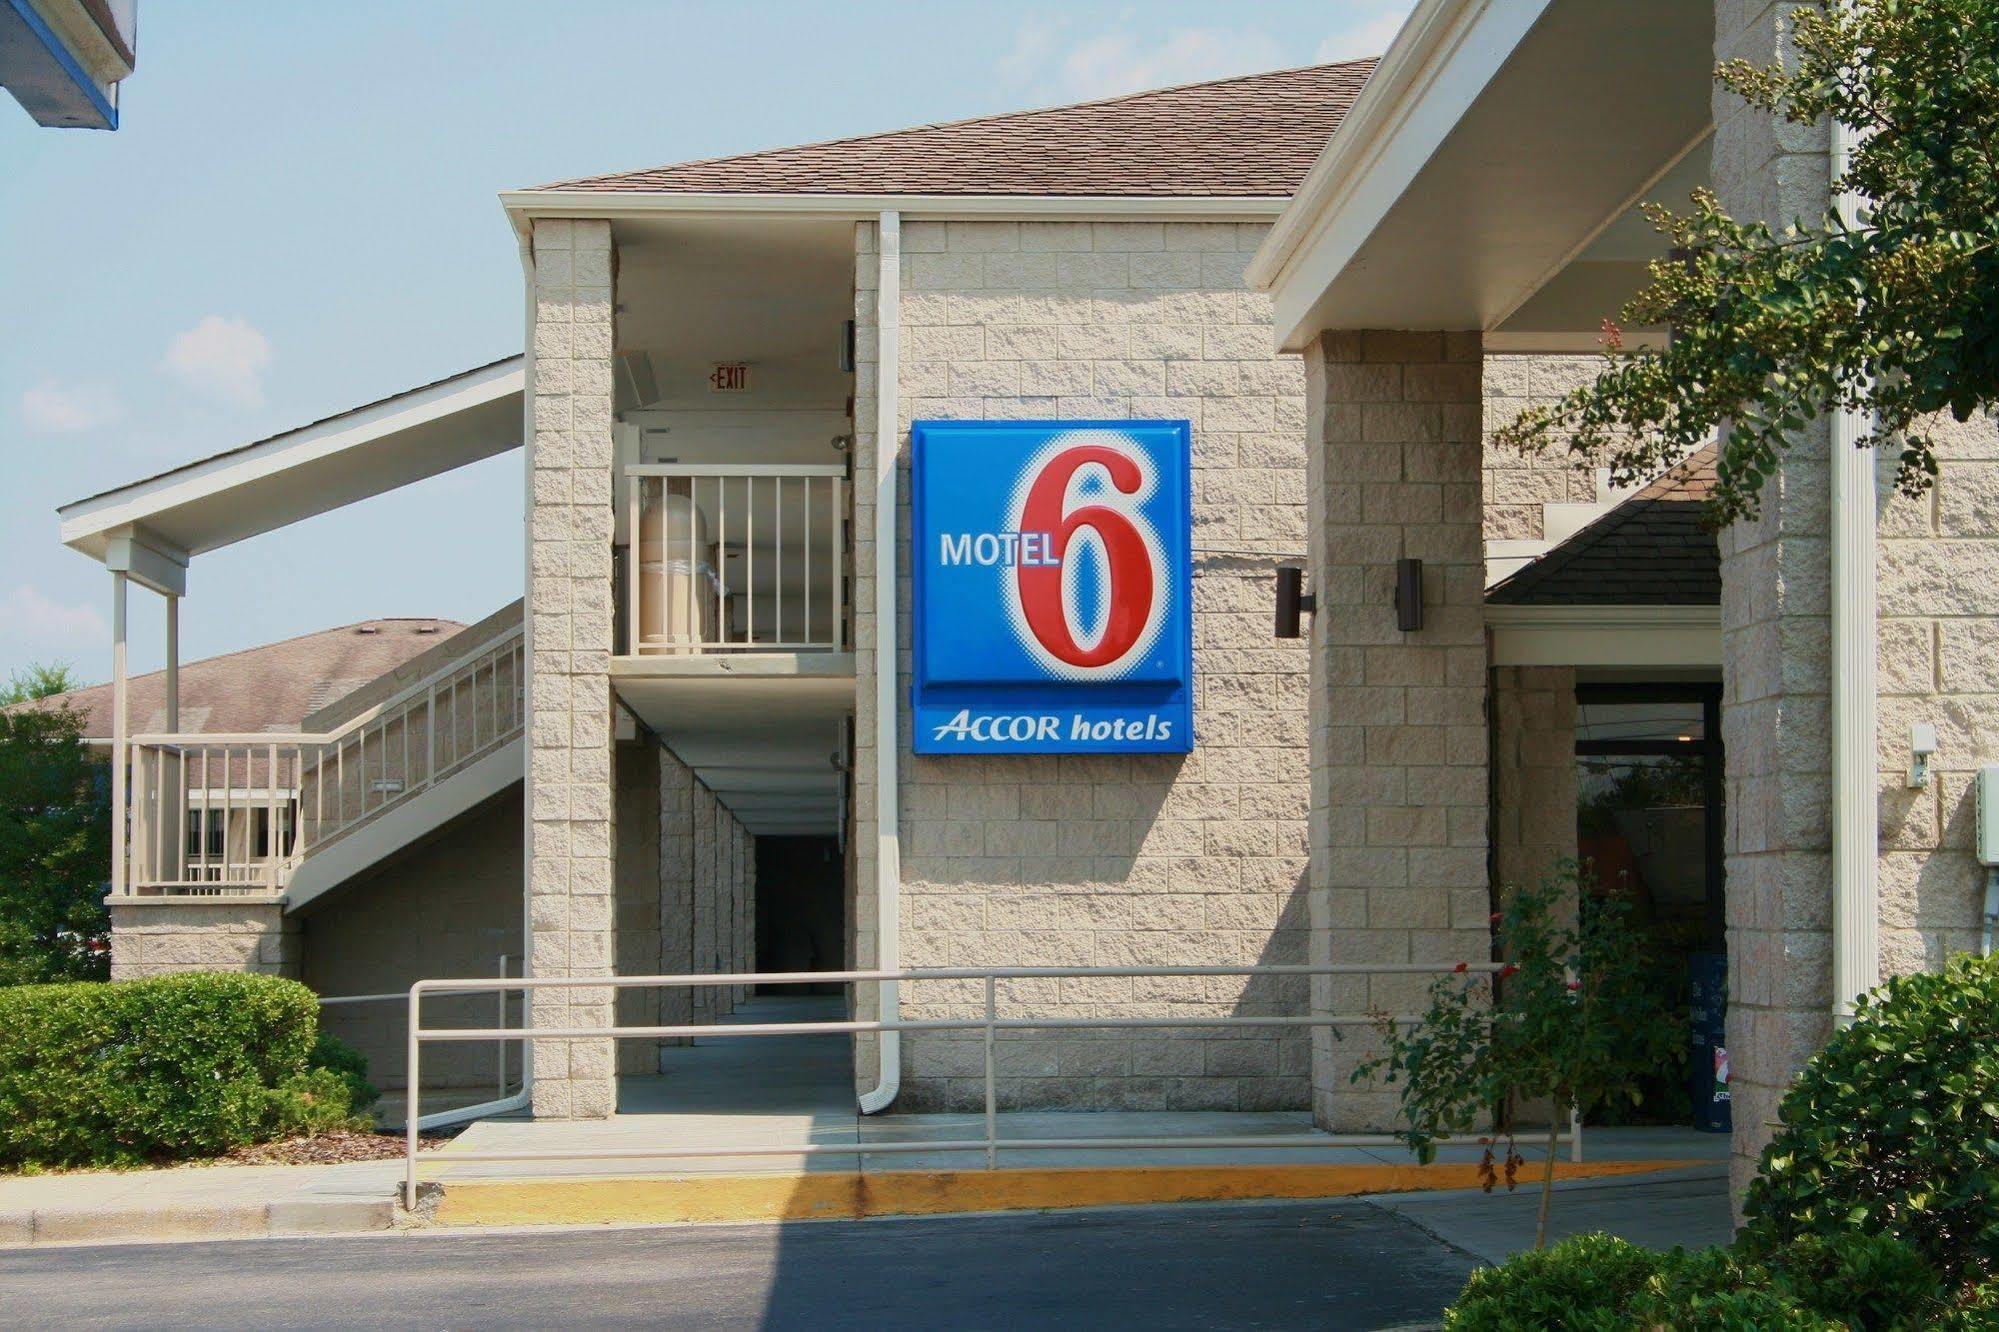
60	409
1368	36
1121	62
38	626
222	359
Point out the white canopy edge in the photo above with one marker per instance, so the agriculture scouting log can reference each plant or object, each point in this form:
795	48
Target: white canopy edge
1494	144
274	482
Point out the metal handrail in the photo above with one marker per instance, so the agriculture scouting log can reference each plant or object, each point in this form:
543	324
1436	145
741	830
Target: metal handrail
991	1023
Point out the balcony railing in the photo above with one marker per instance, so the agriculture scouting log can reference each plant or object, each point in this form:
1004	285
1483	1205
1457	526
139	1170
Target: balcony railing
231	814
735	558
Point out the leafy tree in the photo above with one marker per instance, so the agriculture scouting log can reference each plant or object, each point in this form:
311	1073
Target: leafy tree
55	848
1894	311
40	680
1576	1021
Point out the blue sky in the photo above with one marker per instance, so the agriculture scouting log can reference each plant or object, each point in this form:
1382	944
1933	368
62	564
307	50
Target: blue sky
299	215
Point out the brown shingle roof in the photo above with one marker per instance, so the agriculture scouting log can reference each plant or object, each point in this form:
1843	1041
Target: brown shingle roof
268	688
1652	550
1247	137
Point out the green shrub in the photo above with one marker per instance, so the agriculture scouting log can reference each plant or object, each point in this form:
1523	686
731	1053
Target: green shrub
1893	1129
1860	1283
164	1068
350	1065
1579	1285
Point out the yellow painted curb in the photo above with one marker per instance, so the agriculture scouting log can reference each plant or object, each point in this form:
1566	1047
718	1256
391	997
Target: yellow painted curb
848	1195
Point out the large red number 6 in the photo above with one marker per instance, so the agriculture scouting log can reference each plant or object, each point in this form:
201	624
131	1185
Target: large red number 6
1129	576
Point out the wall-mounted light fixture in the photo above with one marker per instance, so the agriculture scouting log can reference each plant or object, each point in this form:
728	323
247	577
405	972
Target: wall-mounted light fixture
1408	595
1292	600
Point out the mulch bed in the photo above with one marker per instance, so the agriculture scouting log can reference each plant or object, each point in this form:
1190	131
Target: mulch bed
333	1148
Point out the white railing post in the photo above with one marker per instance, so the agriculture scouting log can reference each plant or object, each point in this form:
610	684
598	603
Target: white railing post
411	1083
992	1092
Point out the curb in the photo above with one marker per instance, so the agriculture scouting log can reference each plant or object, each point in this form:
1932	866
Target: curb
263	1220
850	1195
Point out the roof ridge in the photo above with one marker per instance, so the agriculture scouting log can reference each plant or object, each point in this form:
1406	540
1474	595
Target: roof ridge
957	122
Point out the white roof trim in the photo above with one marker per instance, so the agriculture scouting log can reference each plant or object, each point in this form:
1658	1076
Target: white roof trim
90	524
525	205
1653	636
1441	59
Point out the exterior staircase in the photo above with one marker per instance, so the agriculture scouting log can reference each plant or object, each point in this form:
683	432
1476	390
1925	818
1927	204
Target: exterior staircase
299	813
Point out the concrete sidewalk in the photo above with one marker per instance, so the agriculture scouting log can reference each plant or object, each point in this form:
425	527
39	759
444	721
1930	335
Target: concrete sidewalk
198	1202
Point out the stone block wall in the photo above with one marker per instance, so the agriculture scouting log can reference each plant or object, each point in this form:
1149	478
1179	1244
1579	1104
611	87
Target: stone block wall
153	936
1519	487
1938	662
449	906
571	811
1533	772
1106	860
1399	742
676	886
1776	720
640	899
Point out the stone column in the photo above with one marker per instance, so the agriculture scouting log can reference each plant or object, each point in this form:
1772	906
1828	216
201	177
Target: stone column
1399	744
1533	772
638	899
569	634
1775	613
676	886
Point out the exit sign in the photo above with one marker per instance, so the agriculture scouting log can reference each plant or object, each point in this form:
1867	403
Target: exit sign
730	377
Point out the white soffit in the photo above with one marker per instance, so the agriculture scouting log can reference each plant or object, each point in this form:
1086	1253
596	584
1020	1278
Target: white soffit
281	480
1620	636
1496	142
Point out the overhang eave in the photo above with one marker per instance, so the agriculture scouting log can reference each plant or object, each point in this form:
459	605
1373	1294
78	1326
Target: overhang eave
1496	145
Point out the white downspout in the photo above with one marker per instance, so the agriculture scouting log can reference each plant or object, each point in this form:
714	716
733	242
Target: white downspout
888	806
120	729
530	312
1856	921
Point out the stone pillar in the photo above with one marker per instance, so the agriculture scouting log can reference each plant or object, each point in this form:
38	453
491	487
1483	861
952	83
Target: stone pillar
1399	743
701	919
638	898
151	936
676	887
1533	772
569	636
1775	613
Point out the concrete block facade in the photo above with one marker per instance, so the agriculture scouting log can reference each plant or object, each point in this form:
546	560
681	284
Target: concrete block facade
571	813
154	936
1106	860
449	907
1520	487
1533	772
1399	743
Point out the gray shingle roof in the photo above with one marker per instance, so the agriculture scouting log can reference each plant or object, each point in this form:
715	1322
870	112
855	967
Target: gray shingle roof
260	689
1247	137
1652	550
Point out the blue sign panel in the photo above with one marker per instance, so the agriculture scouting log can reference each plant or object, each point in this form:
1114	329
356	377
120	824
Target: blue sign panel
1052	587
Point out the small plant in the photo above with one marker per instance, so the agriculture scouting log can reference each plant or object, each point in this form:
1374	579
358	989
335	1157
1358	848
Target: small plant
1893	1128
1575	1021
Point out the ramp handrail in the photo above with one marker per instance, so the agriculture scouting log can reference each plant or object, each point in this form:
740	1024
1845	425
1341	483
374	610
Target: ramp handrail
990	1024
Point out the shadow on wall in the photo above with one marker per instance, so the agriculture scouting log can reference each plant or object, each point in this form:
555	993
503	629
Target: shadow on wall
1149	860
448	906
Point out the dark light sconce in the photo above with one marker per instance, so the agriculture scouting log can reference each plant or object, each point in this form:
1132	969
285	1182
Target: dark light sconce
1292	600
1408	595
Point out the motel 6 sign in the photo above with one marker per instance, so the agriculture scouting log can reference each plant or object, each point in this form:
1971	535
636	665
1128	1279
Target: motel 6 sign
1052	588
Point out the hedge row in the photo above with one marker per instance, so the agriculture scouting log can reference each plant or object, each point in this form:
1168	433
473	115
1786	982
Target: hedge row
166	1068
